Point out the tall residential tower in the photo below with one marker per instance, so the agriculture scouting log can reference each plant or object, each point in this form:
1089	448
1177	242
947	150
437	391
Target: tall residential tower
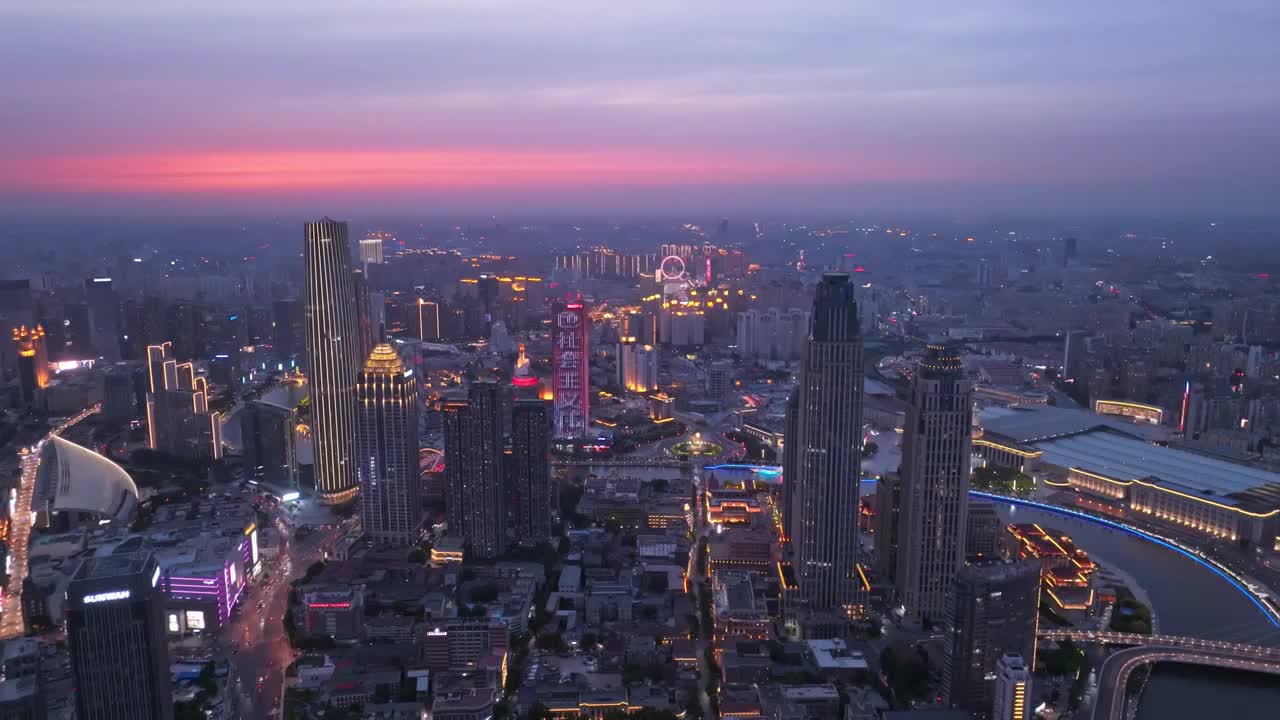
822	511
934	490
531	470
334	352
473	469
387	449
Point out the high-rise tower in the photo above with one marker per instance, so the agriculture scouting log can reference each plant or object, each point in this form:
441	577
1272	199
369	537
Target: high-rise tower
531	470
334	353
936	445
387	449
179	421
473	469
115	627
822	528
570	379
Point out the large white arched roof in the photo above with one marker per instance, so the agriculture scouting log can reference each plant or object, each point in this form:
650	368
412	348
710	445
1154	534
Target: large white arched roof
80	480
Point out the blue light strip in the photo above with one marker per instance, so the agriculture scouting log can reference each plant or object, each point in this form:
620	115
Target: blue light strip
770	470
1269	614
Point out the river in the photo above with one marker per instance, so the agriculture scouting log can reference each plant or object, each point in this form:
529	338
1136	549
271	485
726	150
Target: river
1189	600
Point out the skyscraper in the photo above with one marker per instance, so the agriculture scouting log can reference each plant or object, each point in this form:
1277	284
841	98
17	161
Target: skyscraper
33	360
935	483
104	315
637	366
115	627
1013	689
371	250
993	611
179	421
823	525
570	380
531	470
334	353
473	469
270	454
428	320
387	449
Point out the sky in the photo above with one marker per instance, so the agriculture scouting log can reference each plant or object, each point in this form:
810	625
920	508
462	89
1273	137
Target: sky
1163	106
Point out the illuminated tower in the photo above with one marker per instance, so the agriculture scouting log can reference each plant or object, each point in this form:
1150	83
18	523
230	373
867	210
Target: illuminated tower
570	378
637	366
531	470
371	250
934	483
115	628
179	421
993	610
33	360
823	525
387	449
523	381
334	354
473	469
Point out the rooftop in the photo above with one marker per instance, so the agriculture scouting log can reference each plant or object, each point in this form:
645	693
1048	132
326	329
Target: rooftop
1033	424
1126	459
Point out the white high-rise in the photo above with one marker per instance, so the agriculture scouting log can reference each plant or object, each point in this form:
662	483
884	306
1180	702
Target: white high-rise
637	366
822	508
1013	689
772	334
371	250
934	511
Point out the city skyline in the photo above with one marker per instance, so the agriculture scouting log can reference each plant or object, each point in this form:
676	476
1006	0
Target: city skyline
845	106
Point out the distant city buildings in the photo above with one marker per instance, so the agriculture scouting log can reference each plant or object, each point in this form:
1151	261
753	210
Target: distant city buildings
824	444
386	451
335	350
115	628
637	365
774	334
473	469
935	483
179	421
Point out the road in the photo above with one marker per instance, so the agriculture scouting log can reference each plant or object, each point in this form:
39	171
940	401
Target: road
11	623
1114	676
256	639
698	584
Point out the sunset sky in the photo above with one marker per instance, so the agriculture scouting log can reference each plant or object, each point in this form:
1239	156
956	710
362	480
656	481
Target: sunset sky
1164	105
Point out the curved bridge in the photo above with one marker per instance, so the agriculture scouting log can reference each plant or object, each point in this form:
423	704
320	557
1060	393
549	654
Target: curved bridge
1149	649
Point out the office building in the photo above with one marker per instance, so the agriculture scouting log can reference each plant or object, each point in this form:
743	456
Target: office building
637	366
22	694
118	398
335	348
570	376
888	515
428	320
269	448
1075	356
982	537
720	380
473	469
33	361
115	630
531	470
288	329
104	318
387	449
179	421
936	445
371	250
993	611
822	521
1013	689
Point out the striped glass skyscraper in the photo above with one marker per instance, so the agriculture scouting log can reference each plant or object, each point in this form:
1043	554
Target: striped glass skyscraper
387	449
822	503
934	489
334	353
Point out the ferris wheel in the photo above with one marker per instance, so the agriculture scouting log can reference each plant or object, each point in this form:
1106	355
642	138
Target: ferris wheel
671	269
